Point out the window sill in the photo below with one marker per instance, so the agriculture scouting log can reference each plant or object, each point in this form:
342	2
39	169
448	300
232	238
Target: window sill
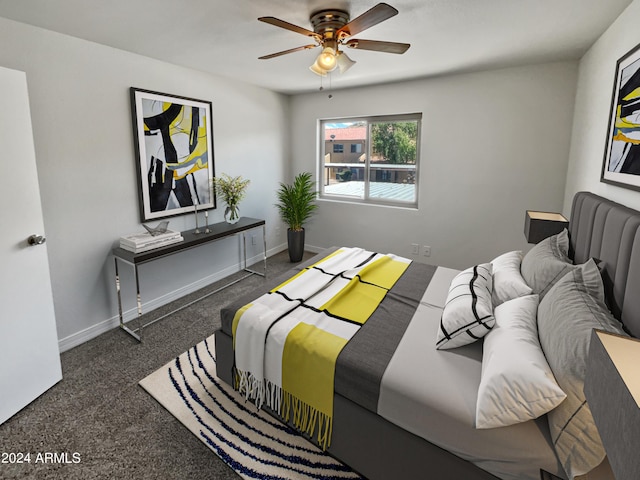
368	203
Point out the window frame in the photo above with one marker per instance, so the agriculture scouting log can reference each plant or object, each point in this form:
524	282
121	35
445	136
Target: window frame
369	119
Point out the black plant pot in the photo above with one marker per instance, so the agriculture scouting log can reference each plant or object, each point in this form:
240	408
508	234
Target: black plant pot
295	240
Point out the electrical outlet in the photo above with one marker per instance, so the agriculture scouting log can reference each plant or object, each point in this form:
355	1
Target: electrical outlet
426	250
415	249
253	239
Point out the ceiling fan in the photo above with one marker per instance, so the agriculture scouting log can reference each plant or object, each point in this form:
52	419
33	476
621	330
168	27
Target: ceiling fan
332	29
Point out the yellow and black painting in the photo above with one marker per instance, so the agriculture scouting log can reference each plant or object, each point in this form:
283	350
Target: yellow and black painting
622	157
175	154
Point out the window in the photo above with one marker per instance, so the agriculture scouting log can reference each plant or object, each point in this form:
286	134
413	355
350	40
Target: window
381	165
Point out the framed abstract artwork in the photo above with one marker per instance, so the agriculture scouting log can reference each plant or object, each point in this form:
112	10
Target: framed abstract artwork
621	165
174	153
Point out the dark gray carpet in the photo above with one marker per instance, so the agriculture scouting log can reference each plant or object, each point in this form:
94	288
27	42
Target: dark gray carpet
99	412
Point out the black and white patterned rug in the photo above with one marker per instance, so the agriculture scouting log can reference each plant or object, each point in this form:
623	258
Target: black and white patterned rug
251	442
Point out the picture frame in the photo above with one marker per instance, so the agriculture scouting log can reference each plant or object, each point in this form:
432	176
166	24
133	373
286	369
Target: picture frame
621	163
173	138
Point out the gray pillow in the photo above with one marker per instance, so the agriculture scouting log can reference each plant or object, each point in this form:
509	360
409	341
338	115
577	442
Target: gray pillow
546	263
566	316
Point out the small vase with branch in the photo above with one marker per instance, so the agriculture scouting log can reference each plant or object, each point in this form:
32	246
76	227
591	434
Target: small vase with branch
232	190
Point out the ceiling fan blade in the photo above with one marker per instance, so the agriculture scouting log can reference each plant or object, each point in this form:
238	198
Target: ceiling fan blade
371	17
289	26
386	47
284	52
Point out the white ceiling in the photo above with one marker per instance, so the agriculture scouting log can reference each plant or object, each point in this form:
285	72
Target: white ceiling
225	37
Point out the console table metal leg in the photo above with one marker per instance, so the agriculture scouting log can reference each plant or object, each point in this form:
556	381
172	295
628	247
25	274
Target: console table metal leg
264	246
244	250
264	254
119	293
139	302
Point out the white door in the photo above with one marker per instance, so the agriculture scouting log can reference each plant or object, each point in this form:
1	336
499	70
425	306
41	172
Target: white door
29	353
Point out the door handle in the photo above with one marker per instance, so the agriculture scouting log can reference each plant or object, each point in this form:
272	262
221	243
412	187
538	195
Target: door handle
34	240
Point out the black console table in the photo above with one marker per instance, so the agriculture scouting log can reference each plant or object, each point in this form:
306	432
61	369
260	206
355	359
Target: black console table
192	239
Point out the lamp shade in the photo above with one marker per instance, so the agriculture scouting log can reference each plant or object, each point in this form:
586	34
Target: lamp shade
327	59
612	389
344	62
317	70
540	225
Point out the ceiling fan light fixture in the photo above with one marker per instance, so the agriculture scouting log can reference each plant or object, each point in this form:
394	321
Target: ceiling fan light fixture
332	28
315	68
344	62
327	59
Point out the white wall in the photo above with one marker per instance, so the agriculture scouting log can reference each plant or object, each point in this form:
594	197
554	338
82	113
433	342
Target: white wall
596	76
79	94
493	145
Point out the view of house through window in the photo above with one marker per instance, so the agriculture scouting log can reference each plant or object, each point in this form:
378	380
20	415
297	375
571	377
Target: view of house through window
372	159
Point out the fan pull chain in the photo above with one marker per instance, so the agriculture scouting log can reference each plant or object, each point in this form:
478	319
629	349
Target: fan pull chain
330	96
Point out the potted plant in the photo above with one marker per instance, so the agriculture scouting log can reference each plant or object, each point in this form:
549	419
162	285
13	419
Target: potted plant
232	190
296	205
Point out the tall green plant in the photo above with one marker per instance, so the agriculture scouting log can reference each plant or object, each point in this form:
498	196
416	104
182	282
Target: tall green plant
296	201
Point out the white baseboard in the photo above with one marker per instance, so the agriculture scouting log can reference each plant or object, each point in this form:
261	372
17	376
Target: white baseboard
89	333
313	249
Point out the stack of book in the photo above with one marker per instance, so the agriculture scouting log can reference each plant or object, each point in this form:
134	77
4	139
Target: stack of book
142	242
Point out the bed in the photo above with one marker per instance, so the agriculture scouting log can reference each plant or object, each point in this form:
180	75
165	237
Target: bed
413	409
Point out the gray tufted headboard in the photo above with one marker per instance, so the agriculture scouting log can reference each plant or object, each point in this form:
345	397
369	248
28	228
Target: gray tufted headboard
610	232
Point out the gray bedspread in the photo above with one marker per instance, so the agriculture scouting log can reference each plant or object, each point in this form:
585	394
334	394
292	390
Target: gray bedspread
363	361
433	393
392	368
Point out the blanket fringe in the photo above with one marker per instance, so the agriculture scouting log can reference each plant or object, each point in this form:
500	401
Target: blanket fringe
290	408
251	387
306	419
273	396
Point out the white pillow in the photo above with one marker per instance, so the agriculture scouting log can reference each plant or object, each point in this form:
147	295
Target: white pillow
468	312
507	279
517	383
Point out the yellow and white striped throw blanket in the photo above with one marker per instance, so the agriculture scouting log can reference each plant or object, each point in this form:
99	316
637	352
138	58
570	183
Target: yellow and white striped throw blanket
287	341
